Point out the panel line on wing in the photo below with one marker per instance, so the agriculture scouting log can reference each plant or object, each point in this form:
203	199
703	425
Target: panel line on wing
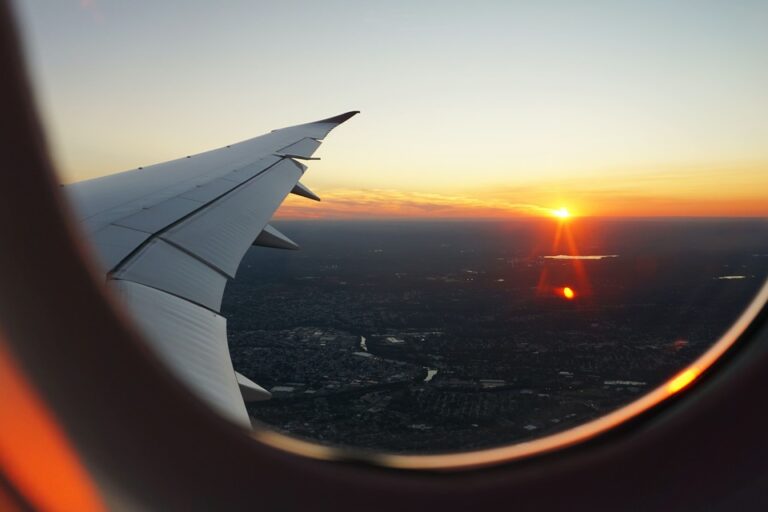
223	232
193	255
128	280
165	267
188	215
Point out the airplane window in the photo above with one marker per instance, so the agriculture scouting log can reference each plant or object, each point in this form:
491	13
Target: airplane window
546	217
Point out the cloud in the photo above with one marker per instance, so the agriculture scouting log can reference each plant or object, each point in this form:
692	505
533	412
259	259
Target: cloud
389	203
607	197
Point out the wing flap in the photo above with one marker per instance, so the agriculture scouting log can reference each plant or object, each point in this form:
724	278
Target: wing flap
191	340
162	266
221	233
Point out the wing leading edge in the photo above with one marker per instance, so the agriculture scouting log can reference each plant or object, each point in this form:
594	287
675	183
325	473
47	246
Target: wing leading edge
170	235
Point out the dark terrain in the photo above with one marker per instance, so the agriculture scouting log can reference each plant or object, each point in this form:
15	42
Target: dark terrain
469	341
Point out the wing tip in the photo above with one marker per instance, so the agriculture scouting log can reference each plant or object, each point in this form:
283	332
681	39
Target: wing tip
340	118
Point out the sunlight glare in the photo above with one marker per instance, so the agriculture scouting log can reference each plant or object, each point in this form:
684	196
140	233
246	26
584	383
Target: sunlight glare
561	213
682	380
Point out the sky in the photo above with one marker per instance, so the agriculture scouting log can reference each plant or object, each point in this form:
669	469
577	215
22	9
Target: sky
469	109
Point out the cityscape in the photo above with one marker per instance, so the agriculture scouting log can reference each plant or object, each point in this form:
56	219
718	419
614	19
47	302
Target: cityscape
426	337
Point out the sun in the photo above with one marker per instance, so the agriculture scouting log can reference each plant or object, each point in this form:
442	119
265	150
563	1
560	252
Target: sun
561	213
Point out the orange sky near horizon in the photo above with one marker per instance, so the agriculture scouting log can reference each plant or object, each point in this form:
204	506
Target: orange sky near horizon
684	194
383	204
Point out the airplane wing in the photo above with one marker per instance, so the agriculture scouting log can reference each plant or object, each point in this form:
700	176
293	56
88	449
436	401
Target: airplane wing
170	235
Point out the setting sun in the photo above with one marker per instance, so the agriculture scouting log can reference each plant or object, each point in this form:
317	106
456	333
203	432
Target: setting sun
561	213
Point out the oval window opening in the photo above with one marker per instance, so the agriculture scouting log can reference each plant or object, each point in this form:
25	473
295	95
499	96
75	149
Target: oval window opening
546	221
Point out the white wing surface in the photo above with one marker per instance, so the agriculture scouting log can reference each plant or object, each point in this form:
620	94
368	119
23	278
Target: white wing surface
170	235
